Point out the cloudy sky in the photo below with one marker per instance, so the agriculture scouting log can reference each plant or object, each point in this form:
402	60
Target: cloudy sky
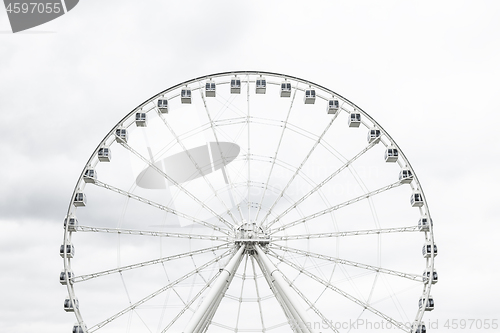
427	71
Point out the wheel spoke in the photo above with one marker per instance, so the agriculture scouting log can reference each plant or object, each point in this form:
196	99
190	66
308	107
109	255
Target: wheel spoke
333	208
156	293
86	277
345	233
153	233
276	153
341	292
188	304
189	194
320	185
413	277
224	160
159	206
195	163
316	143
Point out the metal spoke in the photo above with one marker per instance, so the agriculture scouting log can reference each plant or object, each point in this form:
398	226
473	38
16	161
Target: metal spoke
316	143
345	233
276	153
194	161
227	175
320	185
156	293
310	304
153	233
159	206
341	292
188	305
86	277
189	194
333	208
257	291
241	292
413	277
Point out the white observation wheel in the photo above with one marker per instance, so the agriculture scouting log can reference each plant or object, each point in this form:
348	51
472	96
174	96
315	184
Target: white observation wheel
248	202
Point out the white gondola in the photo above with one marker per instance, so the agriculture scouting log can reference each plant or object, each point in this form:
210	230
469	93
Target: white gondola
418	328
391	154
80	199
73	223
354	119
163	105
62	277
260	86
79	328
286	89
90	175
416	199
70	251
427	275
405	176
104	154
373	135
427	250
333	106
68	305
429	306
121	134
186	95
235	85
141	119
210	89
310	96
424	223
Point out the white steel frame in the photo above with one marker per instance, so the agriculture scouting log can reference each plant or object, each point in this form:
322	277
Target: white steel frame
268	253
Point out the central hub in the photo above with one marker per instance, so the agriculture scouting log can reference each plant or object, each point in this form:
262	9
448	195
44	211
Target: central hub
249	233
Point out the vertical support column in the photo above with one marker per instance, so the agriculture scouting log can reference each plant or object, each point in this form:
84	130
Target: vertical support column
286	293
205	312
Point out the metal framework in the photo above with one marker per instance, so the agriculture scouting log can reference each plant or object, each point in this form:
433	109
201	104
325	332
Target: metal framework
243	208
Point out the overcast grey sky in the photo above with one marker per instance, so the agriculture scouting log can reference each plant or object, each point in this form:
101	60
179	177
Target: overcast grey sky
427	71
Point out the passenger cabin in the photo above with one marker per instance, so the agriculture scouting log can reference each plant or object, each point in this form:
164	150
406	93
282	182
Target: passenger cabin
68	305
405	176
310	96
73	223
186	95
62	277
424	223
141	119
429	306
427	274
235	85
79	328
333	106
163	105
427	250
121	134
90	175
104	154
354	119
418	328
373	135
70	251
80	199
416	199
210	89
391	154
286	89
260	86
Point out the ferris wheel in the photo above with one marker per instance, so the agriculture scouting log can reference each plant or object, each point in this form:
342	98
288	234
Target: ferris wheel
248	202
